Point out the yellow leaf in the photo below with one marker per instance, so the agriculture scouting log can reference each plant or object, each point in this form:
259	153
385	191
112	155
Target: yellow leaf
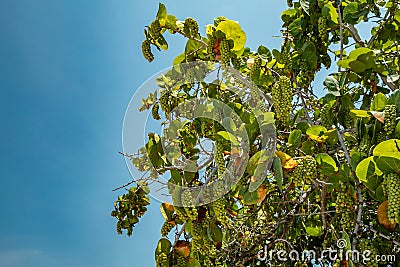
288	163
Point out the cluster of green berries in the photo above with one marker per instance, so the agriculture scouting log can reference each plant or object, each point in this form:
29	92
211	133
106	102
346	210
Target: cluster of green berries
166	228
282	96
146	50
188	204
180	261
326	117
366	245
219	210
323	28
192	25
345	207
390	119
154	111
305	171
392	184
219	158
286	60
225	51
162	260
155	29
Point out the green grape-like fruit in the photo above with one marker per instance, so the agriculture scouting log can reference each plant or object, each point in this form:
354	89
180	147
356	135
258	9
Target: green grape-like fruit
180	212
364	145
192	25
225	52
282	96
197	230
323	28
392	182
257	63
305	171
210	48
365	245
155	29
286	59
165	102
188	203
345	208
326	117
166	228
219	210
154	111
180	261
219	158
146	50
211	250
380	137
390	119
162	260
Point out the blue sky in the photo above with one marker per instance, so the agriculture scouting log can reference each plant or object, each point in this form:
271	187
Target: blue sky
67	72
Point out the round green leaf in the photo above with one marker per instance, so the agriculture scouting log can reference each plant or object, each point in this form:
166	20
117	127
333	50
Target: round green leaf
233	31
389	162
392	145
367	169
326	163
163	246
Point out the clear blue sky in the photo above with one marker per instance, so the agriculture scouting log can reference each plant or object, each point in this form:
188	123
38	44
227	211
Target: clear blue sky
67	72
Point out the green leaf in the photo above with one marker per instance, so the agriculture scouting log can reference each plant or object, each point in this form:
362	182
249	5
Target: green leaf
356	158
379	102
215	232
288	15
357	66
163	246
228	137
392	145
250	198
166	210
307	147
366	169
295	138
313	226
257	159
360	113
311	59
326	164
171	22
316	133
389	162
295	28
331	84
349	11
278	172
328	10
358	52
161	14
233	31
